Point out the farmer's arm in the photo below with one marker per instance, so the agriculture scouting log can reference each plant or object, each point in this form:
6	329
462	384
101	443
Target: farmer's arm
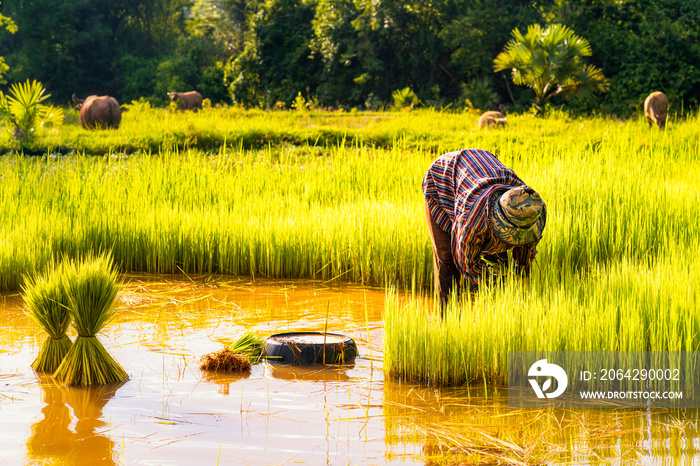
523	257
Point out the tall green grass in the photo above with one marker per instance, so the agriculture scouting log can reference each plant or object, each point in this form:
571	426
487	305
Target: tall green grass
622	204
626	306
614	190
616	270
297	213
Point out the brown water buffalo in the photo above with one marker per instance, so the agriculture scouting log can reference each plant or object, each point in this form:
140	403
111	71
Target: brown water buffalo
655	109
191	100
490	119
99	111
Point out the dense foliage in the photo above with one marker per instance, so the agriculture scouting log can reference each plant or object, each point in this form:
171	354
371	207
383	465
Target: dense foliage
342	53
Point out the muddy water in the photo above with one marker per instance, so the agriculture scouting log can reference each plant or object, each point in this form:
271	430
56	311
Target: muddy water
170	412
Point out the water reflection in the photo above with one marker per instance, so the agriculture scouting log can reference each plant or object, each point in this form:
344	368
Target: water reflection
224	379
72	430
170	412
311	372
465	424
48	439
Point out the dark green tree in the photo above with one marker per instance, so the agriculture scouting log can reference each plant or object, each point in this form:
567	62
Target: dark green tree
372	48
11	27
642	46
276	63
92	46
475	33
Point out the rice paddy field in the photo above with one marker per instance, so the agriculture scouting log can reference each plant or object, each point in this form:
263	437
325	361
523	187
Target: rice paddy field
230	205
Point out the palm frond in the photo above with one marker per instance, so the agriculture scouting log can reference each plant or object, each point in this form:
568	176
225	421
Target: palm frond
404	98
550	61
586	83
23	107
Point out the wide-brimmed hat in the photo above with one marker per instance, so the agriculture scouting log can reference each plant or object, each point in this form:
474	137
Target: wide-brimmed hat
517	216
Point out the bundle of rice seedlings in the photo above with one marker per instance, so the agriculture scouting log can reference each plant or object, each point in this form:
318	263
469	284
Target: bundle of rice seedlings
250	346
225	360
92	292
247	350
47	304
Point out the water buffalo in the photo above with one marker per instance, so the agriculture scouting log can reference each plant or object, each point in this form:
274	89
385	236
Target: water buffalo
655	109
191	100
493	118
98	111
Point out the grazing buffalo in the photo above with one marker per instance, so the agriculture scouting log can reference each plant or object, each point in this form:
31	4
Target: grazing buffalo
655	109
493	118
98	111
191	100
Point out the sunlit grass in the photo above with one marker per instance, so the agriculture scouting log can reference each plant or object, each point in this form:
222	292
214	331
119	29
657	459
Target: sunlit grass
621	307
350	213
616	265
155	130
290	213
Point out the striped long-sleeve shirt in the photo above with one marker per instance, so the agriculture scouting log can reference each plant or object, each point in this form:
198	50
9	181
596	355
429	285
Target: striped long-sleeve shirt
457	187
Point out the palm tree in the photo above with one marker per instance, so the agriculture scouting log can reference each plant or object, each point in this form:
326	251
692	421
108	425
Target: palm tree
549	61
23	108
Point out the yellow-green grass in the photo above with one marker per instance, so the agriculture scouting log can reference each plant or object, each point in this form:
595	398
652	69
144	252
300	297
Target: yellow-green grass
288	213
616	270
625	306
614	190
622	202
250	346
153	130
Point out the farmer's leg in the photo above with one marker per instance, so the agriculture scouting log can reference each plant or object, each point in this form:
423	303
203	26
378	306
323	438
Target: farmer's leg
446	273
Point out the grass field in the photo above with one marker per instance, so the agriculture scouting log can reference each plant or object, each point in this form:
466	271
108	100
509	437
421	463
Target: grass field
337	196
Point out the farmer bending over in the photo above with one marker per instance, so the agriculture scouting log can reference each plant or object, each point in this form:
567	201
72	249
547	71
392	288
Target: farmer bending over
477	209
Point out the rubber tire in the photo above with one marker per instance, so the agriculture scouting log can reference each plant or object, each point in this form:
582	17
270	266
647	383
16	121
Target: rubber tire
286	352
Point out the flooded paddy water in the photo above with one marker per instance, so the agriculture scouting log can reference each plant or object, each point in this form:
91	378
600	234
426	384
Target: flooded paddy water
170	412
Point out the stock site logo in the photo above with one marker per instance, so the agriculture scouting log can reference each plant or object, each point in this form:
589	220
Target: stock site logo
542	369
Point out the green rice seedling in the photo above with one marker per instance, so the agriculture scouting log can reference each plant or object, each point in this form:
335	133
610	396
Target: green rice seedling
47	304
250	346
612	270
238	357
92	292
627	306
350	213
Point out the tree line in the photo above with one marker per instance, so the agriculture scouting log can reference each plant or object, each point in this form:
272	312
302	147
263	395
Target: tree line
343	53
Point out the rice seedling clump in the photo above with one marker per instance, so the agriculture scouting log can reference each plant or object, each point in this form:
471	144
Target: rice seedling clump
47	304
238	357
225	360
250	346
92	291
